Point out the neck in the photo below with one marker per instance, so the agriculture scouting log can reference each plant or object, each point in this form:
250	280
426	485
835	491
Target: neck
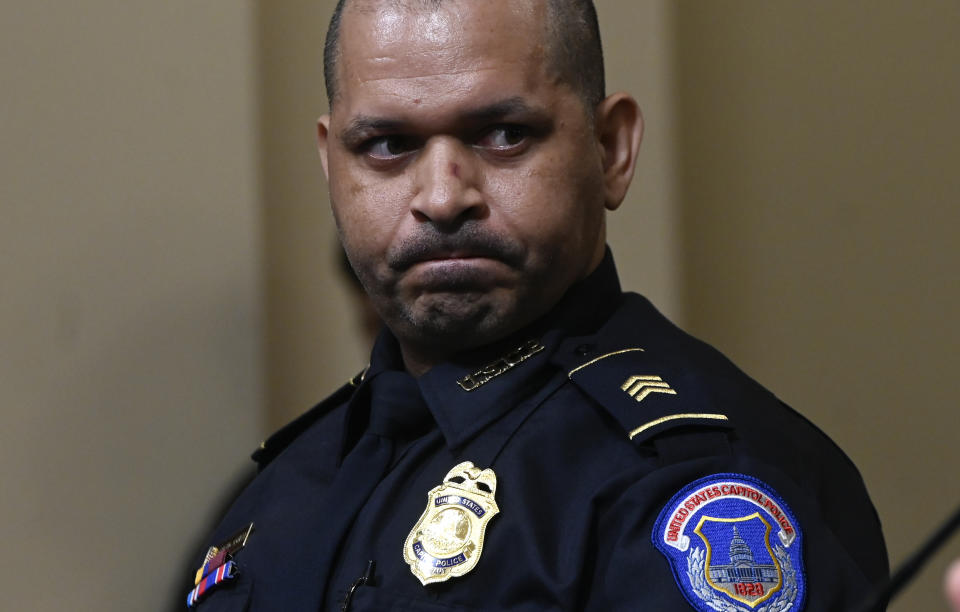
418	359
417	363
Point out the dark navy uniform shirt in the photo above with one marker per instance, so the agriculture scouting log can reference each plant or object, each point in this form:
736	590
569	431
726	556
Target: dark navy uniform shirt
578	497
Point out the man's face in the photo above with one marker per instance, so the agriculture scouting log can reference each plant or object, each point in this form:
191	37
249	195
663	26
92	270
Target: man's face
466	179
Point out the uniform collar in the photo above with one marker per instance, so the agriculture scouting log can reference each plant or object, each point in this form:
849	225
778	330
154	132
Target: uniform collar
519	365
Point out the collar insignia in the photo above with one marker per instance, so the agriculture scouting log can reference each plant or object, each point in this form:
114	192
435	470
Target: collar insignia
733	545
500	366
447	540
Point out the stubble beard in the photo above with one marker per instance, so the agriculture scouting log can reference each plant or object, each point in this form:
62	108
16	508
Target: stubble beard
451	309
448	323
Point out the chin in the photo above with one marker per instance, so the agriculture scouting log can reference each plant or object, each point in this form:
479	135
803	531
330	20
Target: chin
457	320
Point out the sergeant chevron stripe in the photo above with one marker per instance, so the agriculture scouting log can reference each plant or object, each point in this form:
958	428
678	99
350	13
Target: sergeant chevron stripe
639	387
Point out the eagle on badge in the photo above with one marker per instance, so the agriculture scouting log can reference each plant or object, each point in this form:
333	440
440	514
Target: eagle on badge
448	539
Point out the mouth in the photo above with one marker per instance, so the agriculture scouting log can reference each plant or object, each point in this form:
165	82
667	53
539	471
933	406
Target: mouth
463	249
456	264
456	272
441	256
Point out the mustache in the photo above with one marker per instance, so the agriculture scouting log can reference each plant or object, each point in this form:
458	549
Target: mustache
467	241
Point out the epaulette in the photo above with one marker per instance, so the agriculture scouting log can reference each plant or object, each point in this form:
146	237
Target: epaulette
647	394
274	445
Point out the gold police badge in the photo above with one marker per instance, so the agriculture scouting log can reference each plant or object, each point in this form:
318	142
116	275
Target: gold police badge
448	539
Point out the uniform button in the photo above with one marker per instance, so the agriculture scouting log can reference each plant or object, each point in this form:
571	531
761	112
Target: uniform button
584	349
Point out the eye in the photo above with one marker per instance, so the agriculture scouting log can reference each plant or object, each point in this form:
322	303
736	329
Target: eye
504	138
388	147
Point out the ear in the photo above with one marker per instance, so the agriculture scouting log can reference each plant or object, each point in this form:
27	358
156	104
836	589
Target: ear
619	127
323	141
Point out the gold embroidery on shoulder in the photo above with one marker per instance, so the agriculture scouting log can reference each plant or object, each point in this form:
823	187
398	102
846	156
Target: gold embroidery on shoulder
639	387
673	417
595	360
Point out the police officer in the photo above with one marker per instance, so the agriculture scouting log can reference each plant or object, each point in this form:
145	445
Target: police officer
526	436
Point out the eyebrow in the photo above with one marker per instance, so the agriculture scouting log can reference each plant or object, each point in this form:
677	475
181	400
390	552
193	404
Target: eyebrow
361	125
498	110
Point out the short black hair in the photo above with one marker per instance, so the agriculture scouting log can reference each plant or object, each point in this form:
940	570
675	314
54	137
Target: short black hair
573	36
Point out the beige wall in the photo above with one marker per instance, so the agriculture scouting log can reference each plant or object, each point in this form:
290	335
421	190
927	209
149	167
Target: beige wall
794	203
638	46
129	360
311	338
820	191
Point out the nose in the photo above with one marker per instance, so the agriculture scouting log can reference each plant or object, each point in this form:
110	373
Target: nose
448	183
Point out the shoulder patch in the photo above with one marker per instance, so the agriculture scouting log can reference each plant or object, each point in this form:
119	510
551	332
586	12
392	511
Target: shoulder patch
733	545
646	393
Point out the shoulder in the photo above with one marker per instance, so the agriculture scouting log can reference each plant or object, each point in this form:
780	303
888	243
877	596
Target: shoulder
652	377
274	445
698	423
656	381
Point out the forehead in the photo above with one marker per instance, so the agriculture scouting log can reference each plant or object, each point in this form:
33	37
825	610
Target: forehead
426	51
